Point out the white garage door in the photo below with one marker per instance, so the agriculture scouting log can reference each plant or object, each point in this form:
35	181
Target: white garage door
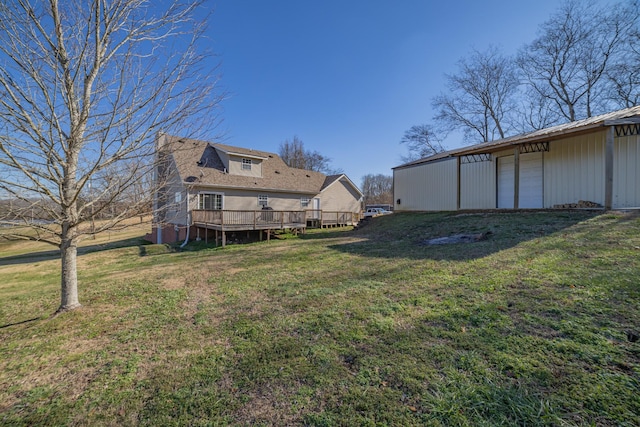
505	182
530	190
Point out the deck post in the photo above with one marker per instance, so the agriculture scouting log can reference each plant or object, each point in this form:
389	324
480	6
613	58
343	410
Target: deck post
224	238
216	238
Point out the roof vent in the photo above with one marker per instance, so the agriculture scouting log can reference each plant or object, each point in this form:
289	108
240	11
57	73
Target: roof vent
278	172
270	156
308	176
199	163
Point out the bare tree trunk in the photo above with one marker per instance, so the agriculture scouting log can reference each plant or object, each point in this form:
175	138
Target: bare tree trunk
84	88
69	280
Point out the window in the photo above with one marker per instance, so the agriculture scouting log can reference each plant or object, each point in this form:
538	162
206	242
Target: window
178	197
304	202
246	164
263	200
210	201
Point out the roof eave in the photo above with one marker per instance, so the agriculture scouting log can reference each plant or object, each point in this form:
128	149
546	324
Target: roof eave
499	145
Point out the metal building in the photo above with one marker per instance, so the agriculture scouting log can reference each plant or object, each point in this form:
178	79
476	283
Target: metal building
587	163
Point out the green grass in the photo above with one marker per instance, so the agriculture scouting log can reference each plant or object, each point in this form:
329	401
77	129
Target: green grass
332	328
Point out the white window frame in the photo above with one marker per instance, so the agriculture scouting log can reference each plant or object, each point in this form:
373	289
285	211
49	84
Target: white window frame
178	197
219	197
304	202
246	164
263	200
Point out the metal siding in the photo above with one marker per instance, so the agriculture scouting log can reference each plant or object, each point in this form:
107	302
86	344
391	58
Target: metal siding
506	172
427	187
574	170
531	177
626	177
477	189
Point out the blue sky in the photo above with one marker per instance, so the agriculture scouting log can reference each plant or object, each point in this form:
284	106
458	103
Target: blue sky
349	77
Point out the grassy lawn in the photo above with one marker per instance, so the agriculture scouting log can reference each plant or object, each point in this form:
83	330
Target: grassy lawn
533	326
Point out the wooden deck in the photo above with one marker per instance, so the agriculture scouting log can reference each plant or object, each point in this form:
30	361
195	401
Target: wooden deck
223	221
324	219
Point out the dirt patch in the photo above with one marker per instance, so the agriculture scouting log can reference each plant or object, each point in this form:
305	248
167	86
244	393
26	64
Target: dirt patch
457	238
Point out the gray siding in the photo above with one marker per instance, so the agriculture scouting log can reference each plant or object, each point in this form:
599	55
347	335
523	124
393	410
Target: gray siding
340	196
248	200
235	167
170	210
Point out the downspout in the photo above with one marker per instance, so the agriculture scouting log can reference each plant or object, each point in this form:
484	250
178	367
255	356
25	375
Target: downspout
186	238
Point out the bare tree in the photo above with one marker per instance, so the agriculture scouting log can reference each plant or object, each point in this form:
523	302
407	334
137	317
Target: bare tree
377	189
480	96
422	141
84	88
624	73
535	112
296	156
567	63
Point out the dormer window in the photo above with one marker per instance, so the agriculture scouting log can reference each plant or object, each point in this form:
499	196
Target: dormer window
246	164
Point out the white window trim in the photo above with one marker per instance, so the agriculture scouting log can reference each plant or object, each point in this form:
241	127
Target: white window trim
263	200
246	164
304	202
214	193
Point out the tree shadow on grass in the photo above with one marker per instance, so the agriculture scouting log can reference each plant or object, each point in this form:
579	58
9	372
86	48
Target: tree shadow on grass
407	235
326	234
19	323
55	253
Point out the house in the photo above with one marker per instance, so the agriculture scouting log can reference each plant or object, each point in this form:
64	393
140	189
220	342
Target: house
207	186
588	163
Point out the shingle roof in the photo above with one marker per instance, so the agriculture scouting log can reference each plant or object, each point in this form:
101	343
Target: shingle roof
616	117
198	163
333	178
330	180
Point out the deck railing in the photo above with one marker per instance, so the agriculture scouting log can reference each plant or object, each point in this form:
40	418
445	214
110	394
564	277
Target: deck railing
333	218
260	219
253	219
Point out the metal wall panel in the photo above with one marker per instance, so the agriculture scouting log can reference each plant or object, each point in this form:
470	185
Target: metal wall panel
531	178
477	188
427	187
506	172
626	173
574	170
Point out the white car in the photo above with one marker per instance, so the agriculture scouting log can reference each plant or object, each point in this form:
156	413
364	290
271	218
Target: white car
371	212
